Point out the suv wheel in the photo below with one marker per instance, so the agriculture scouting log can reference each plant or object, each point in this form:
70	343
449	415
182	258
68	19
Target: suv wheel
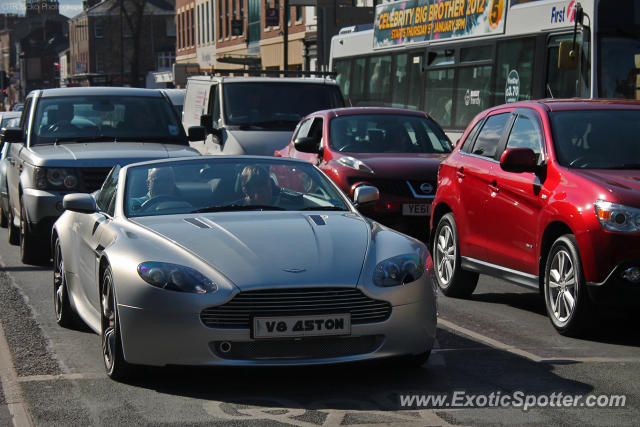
568	304
452	280
32	250
14	232
4	219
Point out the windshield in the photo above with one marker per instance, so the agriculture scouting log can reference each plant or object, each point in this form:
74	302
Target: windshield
223	185
597	139
276	106
618	67
105	118
387	133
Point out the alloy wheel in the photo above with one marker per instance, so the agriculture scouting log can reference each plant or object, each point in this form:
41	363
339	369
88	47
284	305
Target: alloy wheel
445	254
563	289
58	283
108	323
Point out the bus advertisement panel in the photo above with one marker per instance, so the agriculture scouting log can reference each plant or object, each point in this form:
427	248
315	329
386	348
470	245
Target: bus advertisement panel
417	21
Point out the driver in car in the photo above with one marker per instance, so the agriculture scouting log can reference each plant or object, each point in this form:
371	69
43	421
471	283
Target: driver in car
258	188
161	185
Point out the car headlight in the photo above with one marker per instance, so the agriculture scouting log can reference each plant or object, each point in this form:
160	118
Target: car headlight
399	270
616	217
175	277
353	163
56	178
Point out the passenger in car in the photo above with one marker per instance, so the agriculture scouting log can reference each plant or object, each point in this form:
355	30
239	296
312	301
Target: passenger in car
257	187
161	185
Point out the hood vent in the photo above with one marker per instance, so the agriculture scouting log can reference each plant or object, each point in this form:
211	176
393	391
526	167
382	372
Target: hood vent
196	222
318	219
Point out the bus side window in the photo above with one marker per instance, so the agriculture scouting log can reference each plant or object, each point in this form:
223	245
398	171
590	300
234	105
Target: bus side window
343	76
565	83
514	65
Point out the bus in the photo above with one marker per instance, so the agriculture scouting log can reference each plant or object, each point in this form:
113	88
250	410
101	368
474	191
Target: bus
455	58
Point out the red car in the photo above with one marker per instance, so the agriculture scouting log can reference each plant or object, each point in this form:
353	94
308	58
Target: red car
545	194
398	151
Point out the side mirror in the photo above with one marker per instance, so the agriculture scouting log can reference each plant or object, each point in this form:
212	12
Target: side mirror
365	194
12	135
79	202
307	144
207	121
567	56
197	133
519	160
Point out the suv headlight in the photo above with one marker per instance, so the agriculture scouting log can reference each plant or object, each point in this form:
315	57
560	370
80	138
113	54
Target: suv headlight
55	178
353	163
399	270
616	217
175	277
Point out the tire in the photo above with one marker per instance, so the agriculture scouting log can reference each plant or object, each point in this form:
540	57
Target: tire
568	304
4	220
32	250
14	232
65	316
115	365
452	280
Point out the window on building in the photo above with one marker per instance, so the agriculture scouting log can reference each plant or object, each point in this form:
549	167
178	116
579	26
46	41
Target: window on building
298	13
200	26
170	26
220	19
99	62
192	25
97	28
166	59
208	23
227	22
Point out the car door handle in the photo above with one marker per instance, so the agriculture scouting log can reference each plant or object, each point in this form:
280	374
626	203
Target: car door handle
494	187
460	174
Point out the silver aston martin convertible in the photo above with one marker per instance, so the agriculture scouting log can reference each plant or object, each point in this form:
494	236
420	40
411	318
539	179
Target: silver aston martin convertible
238	261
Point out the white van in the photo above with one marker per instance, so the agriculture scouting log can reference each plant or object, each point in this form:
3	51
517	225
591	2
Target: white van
251	115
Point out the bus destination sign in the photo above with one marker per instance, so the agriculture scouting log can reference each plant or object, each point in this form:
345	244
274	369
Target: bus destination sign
415	21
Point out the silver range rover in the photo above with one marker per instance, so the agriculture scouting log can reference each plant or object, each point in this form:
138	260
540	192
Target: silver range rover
68	140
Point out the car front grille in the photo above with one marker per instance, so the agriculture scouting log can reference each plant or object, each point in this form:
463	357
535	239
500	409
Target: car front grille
237	313
307	348
398	187
92	178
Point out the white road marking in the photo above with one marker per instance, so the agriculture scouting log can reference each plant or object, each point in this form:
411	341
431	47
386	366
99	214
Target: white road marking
528	355
10	386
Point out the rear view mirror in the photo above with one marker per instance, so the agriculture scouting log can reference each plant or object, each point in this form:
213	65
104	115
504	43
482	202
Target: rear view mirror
79	202
519	160
365	194
197	133
567	55
11	135
207	121
307	144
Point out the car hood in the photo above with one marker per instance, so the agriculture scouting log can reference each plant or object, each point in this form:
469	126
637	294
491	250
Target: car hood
623	183
405	166
256	142
104	153
257	249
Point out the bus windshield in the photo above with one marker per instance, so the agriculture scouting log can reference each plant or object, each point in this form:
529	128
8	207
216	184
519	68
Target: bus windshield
618	67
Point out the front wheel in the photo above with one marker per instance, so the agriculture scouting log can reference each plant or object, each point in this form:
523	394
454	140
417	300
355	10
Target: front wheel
65	316
451	278
568	305
32	250
116	366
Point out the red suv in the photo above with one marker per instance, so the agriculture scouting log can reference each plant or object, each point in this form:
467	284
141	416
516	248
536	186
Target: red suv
398	151
545	194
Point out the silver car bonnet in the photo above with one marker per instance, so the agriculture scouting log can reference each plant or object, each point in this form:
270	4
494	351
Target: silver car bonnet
106	152
257	142
263	249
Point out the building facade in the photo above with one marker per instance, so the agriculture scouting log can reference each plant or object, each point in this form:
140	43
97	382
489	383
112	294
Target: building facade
118	42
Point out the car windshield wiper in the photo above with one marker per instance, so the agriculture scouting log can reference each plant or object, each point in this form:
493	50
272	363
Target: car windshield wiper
234	207
324	208
97	138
